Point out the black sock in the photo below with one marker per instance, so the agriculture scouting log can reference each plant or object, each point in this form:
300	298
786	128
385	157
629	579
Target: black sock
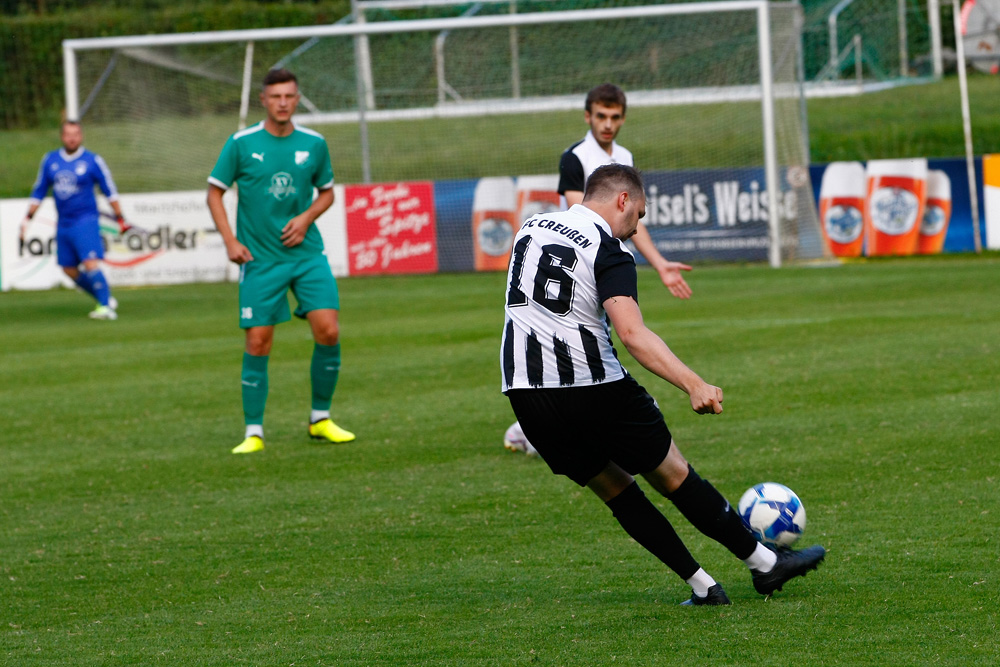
647	526
710	513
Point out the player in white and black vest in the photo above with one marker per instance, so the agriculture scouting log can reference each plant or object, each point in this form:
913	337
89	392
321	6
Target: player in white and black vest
604	113
588	418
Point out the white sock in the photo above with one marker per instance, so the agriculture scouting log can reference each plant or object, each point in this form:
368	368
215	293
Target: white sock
762	559
317	415
701	582
255	429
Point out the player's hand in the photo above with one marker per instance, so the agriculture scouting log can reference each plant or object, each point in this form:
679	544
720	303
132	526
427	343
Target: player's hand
707	400
294	232
670	274
238	253
122	225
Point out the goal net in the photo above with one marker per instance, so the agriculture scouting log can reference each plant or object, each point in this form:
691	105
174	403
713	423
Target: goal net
715	119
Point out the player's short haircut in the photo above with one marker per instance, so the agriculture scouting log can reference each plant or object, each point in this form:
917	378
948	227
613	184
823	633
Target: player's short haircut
608	180
606	94
69	122
281	75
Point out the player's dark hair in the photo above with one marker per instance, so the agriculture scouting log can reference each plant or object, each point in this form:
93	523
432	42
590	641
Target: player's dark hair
281	75
610	179
606	94
68	122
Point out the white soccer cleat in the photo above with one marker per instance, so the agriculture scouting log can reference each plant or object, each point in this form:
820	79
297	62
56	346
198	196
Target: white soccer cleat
514	441
112	303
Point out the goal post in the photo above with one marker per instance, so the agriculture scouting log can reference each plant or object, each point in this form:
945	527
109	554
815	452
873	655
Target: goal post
713	88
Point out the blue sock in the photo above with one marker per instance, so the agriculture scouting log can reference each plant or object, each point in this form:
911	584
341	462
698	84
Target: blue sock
101	290
85	283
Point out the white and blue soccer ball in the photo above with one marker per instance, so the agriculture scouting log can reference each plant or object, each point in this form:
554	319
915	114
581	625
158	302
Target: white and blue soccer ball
773	513
514	440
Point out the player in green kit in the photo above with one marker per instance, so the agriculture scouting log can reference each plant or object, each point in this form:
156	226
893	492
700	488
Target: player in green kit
277	165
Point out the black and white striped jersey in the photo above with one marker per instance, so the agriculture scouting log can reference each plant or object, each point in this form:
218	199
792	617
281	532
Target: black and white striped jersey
580	160
563	267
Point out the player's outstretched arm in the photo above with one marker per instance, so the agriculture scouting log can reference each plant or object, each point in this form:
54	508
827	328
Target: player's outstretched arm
294	231
670	272
649	350
237	252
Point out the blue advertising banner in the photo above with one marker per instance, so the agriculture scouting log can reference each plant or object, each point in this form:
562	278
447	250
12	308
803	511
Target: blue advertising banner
453	203
696	215
714	215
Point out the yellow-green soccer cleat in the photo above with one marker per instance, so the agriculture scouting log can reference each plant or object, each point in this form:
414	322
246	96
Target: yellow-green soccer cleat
103	313
252	444
326	430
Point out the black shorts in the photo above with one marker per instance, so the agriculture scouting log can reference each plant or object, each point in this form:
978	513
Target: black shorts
579	430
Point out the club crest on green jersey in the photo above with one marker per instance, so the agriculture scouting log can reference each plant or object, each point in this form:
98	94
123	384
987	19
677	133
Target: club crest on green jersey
282	186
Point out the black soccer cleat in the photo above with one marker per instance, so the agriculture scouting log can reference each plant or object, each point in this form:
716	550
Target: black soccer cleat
790	564
716	596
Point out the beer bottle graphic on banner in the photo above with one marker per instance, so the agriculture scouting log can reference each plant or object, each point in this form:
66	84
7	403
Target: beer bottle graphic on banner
537	194
841	202
894	207
937	213
494	222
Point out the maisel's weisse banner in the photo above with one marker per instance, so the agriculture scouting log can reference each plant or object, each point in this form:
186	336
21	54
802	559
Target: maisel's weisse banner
902	206
882	207
691	215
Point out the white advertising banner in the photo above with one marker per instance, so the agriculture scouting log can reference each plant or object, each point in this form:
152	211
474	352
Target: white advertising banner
173	241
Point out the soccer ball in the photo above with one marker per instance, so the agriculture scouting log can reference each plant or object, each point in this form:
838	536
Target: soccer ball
514	440
773	513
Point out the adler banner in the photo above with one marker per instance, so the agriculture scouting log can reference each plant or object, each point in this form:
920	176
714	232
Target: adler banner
173	241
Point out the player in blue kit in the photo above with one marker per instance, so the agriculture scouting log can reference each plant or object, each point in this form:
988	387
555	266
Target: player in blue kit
72	172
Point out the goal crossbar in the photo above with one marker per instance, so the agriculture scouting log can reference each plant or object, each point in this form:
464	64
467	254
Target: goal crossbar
417	25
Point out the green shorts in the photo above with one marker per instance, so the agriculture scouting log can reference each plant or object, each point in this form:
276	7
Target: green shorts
264	290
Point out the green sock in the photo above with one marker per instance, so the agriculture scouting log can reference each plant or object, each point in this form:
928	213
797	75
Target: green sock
254	380
324	372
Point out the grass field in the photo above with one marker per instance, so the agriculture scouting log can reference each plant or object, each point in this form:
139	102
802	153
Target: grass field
131	536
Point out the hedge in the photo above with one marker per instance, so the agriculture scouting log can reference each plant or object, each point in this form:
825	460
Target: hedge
31	76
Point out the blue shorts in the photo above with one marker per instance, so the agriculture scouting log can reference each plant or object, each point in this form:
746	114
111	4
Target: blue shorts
79	243
264	290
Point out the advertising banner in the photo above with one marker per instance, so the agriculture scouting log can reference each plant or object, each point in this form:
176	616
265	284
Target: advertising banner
925	210
712	214
691	215
391	228
469	225
173	241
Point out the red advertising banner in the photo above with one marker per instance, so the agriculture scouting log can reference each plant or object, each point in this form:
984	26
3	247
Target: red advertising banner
391	228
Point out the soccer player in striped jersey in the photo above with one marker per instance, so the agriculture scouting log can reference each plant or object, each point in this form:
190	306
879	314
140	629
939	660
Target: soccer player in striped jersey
570	273
72	172
277	166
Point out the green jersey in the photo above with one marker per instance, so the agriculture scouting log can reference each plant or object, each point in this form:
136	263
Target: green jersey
276	177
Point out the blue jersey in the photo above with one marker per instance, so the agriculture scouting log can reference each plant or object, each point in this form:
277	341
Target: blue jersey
72	179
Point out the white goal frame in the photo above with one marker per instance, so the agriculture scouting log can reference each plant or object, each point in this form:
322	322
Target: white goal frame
765	91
